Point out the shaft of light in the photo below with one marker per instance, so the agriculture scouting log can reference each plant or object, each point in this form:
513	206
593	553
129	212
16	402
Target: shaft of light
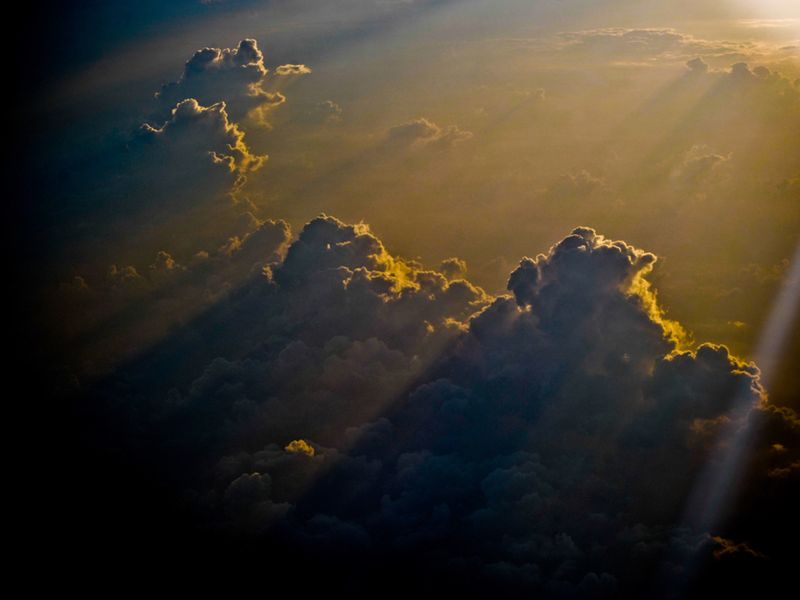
717	482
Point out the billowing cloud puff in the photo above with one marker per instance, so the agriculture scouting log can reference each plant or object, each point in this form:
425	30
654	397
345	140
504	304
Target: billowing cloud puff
424	133
220	139
697	65
232	75
187	171
542	442
149	187
453	268
698	165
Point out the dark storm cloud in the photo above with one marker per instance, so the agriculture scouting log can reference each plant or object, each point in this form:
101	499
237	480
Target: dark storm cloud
233	75
540	442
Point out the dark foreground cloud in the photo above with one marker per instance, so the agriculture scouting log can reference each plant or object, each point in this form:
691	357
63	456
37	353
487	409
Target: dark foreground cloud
113	315
176	182
174	185
401	431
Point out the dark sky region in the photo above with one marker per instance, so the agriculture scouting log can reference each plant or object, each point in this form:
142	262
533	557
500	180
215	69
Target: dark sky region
401	298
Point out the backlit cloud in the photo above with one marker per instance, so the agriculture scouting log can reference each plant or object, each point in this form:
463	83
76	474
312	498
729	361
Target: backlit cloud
233	75
540	442
292	70
422	132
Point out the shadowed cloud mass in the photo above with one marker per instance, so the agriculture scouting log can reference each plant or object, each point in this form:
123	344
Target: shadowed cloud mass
346	400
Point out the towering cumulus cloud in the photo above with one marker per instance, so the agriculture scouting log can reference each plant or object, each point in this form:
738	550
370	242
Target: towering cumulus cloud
235	75
352	414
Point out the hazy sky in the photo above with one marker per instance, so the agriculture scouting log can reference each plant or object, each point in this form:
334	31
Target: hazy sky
179	155
576	112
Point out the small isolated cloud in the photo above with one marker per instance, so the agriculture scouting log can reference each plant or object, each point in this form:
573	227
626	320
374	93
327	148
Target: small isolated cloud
327	111
697	65
698	165
424	133
290	69
300	447
575	186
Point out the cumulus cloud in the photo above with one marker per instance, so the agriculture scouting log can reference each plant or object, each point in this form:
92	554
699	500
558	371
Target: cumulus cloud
189	168
698	165
233	75
697	65
453	268
538	442
187	172
421	133
192	128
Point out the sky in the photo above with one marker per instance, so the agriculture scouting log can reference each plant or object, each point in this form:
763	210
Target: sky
475	297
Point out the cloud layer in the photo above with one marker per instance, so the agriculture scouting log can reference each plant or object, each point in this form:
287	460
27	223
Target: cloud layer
347	401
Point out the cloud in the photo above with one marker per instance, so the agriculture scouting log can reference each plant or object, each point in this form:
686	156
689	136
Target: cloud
657	45
192	128
421	133
698	165
137	307
233	75
285	70
189	168
453	268
327	111
575	186
185	173
697	65
538	442
301	446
